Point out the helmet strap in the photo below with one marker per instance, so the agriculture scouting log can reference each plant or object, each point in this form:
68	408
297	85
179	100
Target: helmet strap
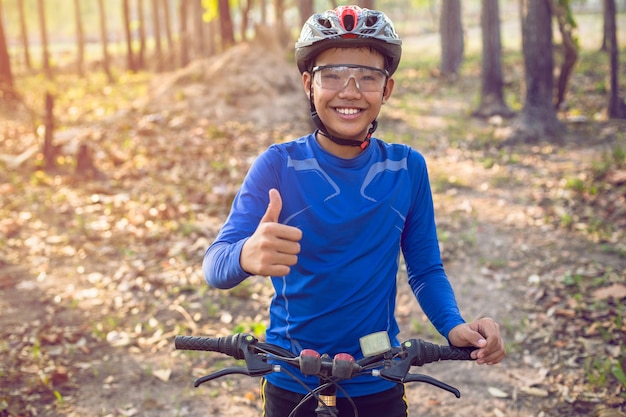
321	128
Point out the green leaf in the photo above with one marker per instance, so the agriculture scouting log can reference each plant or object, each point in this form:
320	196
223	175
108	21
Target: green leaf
618	373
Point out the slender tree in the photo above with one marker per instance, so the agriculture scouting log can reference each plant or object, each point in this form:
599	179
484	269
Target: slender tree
492	80
130	59
44	39
6	76
184	33
264	11
156	34
452	43
202	48
80	39
24	34
168	26
538	117
306	9
141	54
106	64
279	15
563	14
616	106
246	8
227	31
366	4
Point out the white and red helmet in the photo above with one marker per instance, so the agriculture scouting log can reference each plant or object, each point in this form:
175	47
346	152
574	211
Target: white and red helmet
348	27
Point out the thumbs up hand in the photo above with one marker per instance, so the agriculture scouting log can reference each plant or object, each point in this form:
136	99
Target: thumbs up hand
273	248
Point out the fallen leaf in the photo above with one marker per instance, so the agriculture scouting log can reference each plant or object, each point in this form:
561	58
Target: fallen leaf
610	412
535	392
617	291
163	374
496	392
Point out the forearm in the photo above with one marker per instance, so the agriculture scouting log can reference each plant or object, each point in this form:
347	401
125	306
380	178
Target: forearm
436	297
221	265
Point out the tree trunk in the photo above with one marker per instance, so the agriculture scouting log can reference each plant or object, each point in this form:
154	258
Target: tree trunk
452	43
306	10
245	18
168	31
80	39
158	53
264	12
538	117
604	47
141	55
616	107
130	60
184	33
492	81
281	29
6	76
227	33
44	39
570	50
105	41
202	48
49	153
24	35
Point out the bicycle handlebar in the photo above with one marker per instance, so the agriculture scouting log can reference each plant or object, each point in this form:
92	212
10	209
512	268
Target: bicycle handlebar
392	365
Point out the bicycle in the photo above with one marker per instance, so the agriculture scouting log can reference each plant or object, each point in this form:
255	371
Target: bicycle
379	359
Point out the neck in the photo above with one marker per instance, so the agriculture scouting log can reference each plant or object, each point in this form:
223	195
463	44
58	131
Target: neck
341	151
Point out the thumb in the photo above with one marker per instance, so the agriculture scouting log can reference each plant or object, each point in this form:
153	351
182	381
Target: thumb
476	337
273	208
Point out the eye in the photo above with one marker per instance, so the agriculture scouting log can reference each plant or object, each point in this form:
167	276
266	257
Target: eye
330	75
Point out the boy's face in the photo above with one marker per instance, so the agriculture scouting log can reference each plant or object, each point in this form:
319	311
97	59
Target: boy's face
348	111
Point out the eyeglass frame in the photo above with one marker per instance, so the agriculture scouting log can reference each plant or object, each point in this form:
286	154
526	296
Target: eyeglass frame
322	67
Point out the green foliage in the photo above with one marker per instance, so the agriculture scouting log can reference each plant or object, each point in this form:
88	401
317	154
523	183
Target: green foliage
618	372
255	328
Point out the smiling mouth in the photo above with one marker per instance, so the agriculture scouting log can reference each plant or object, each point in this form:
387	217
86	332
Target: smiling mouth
347	111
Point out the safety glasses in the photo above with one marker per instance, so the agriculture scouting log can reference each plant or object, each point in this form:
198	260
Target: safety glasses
337	77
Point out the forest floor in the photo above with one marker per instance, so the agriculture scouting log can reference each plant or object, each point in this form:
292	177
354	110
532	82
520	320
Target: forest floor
100	268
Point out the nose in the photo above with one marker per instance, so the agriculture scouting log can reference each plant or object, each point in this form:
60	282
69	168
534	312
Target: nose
352	86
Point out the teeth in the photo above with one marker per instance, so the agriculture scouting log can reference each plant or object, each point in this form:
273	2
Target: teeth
347	111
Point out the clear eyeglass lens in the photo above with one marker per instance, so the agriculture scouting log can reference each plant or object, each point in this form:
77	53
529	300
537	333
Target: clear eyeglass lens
337	78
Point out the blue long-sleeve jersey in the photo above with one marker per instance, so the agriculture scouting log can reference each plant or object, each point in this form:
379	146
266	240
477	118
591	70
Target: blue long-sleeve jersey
355	216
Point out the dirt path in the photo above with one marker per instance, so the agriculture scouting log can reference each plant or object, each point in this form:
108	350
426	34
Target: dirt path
104	334
98	276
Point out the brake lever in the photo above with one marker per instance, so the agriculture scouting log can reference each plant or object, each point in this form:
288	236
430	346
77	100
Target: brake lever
255	365
432	381
222	372
399	372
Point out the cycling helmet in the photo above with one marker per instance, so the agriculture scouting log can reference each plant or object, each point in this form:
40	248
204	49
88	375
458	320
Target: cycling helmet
348	27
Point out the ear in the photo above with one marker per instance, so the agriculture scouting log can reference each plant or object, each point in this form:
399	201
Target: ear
306	83
388	89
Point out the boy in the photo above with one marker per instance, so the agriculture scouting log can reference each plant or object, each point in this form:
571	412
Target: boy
326	215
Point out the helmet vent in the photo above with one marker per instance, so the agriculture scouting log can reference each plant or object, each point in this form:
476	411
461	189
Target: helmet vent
371	21
325	22
348	22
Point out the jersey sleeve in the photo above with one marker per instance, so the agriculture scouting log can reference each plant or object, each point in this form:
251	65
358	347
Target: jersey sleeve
420	248
221	266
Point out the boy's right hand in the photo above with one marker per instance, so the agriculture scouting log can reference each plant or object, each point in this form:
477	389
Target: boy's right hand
273	247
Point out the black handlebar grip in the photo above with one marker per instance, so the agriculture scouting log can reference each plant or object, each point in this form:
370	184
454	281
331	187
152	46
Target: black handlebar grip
453	353
426	352
228	345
